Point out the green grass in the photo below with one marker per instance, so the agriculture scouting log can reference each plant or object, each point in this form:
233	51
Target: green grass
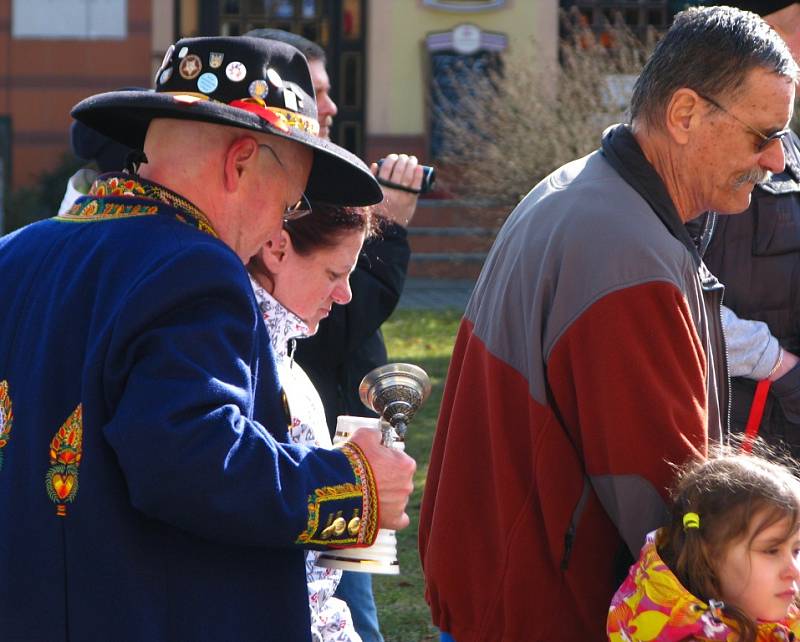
424	338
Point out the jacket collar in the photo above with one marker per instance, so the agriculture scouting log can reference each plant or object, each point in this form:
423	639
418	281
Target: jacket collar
623	153
282	324
120	195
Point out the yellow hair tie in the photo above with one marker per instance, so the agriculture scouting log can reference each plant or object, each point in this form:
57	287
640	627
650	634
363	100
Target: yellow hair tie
691	520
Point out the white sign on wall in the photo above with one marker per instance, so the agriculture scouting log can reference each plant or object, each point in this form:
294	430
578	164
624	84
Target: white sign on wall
70	19
463	5
466	39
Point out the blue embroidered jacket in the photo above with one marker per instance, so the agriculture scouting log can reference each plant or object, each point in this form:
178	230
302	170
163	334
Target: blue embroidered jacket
146	489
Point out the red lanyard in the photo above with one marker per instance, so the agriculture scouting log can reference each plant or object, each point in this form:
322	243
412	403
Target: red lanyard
756	412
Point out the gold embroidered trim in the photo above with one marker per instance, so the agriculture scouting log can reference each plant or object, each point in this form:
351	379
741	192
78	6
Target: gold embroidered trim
315	501
91	210
368	524
338	531
66	451
6	418
86	209
298	121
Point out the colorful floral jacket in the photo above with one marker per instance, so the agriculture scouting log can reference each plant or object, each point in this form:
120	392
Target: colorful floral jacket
653	605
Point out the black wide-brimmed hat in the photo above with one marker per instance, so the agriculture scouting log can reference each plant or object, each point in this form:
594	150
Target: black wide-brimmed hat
255	84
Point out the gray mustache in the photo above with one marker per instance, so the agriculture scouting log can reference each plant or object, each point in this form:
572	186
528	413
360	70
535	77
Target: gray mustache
755	175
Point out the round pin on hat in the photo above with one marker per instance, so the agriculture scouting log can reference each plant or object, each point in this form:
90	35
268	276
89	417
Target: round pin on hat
207	83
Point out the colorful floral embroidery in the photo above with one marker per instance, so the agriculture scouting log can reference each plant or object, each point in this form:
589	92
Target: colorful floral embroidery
6	418
117	186
91	210
66	451
123	196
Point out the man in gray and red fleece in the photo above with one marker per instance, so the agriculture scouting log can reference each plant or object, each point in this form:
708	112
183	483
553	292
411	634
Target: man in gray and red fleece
591	353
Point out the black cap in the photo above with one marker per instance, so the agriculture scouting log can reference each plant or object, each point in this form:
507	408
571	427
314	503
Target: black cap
90	145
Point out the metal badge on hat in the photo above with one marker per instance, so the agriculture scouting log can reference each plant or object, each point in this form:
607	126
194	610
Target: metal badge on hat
258	89
235	71
215	59
289	99
166	61
165	76
207	83
274	77
190	67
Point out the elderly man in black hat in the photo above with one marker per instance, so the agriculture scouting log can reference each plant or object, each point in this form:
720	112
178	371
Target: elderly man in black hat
757	257
146	488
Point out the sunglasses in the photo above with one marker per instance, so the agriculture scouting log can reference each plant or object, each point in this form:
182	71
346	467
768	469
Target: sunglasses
302	207
765	139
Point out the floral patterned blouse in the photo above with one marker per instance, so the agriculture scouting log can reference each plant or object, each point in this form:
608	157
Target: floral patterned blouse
330	617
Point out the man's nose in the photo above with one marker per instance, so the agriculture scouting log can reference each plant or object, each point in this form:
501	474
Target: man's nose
328	106
773	158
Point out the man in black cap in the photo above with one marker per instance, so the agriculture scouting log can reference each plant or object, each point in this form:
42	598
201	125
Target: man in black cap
757	256
349	342
146	486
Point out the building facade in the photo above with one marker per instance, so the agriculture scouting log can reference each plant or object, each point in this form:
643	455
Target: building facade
383	55
387	59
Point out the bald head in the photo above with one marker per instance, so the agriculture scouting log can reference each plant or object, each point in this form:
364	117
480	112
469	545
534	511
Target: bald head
176	148
241	180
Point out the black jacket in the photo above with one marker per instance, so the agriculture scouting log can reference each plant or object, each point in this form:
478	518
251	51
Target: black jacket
756	255
349	342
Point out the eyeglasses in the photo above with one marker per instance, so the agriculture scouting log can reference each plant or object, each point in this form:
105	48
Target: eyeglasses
765	140
298	210
302	207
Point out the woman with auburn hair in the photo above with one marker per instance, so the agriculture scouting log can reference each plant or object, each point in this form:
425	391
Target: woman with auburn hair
297	277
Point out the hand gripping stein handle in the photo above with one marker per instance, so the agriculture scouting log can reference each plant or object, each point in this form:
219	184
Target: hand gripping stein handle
394	391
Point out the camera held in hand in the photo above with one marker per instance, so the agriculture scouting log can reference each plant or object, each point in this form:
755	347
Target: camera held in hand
428	179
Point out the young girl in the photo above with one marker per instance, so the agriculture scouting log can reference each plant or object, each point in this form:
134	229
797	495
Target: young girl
727	565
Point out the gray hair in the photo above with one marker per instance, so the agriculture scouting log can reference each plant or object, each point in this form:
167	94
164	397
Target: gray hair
710	50
311	50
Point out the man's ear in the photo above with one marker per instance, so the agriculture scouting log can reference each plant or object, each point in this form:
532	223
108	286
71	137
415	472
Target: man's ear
683	114
240	155
275	251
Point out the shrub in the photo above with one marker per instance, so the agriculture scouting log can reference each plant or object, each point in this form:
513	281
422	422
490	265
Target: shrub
509	127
